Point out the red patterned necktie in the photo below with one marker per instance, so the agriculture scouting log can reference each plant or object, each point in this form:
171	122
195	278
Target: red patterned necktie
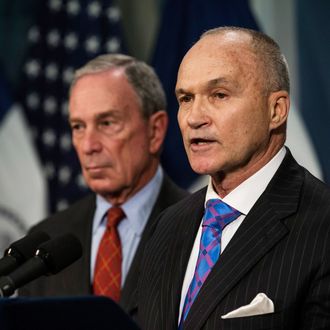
107	274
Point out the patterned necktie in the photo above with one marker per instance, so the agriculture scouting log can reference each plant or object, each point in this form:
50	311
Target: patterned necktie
107	274
217	215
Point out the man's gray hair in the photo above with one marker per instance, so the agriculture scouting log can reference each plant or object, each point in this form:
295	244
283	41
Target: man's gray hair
268	52
141	76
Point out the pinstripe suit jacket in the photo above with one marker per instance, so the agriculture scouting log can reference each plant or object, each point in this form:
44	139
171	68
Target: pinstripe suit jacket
281	249
78	219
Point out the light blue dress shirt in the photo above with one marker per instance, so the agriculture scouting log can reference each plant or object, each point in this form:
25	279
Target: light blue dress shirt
137	210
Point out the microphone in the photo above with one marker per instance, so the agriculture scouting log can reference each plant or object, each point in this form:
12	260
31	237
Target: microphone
50	258
20	251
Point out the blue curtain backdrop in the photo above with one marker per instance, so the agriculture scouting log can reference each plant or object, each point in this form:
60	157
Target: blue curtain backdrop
313	31
182	24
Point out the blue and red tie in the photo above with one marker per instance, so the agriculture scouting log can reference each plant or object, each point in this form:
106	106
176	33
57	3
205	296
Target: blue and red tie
217	215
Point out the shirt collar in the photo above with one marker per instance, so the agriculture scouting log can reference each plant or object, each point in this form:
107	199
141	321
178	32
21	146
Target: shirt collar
244	196
137	209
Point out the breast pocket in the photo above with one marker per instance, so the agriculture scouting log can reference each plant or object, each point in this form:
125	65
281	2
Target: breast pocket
273	321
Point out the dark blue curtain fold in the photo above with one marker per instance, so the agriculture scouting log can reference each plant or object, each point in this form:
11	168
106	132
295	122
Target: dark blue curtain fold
313	31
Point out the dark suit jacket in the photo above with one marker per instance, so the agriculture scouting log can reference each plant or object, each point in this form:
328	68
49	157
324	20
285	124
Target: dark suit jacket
75	280
282	249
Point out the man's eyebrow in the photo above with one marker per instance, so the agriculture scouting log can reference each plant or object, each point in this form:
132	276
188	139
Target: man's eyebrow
98	116
71	119
104	114
217	81
180	91
209	84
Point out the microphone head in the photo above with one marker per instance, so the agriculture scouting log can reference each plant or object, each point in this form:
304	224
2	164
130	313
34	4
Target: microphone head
60	252
25	248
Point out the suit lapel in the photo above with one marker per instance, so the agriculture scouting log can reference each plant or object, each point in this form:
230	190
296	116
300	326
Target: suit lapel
85	232
261	230
74	280
128	299
187	221
82	228
168	195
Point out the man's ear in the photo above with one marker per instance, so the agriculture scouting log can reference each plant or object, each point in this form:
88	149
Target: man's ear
158	123
279	103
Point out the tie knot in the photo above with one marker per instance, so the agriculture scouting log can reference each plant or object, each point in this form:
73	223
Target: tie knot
219	214
115	214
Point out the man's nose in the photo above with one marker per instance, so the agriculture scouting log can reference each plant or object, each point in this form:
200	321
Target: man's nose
198	114
91	141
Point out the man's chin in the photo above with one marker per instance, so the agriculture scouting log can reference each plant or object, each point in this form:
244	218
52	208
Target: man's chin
201	169
104	189
100	187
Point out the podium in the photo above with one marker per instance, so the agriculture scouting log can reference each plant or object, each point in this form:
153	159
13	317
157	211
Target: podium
67	313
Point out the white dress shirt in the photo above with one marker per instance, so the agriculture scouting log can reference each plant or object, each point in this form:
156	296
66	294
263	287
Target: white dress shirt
242	198
137	210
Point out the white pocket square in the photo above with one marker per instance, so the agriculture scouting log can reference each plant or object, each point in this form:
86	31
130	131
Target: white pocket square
261	304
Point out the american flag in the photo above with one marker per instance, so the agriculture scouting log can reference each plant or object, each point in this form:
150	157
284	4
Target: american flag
67	34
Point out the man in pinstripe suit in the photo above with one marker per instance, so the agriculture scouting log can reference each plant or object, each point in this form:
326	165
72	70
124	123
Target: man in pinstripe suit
274	268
